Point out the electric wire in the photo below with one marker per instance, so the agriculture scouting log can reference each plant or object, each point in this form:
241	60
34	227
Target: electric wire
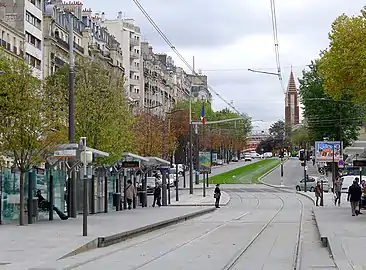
174	49
276	46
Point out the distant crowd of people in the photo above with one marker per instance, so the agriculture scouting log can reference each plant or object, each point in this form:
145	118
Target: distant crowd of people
356	194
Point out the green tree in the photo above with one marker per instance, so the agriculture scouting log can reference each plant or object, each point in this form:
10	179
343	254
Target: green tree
342	65
300	137
25	130
101	112
340	120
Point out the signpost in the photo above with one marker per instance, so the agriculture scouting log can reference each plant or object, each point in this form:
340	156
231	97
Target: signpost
204	168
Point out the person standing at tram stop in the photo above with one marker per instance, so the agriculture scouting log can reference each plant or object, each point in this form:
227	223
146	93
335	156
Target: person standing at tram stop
337	191
318	193
217	195
157	195
130	193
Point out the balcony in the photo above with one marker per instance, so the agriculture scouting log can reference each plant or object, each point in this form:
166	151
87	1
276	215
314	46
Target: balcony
78	47
134	82
134	95
62	42
134	55
133	68
134	41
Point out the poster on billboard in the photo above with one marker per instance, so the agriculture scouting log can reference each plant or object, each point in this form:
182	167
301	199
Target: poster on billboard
324	151
205	162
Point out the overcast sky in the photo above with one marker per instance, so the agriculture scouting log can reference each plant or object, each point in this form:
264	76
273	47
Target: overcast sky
237	34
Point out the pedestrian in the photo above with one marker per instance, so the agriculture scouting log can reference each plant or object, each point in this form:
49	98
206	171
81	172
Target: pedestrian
130	193
354	196
217	195
337	191
157	195
46	205
318	192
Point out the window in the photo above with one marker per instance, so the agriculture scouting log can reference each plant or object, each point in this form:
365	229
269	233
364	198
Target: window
33	40
32	61
33	20
37	3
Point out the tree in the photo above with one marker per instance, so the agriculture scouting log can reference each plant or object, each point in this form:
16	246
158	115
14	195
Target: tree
280	133
26	131
101	112
338	119
342	65
300	137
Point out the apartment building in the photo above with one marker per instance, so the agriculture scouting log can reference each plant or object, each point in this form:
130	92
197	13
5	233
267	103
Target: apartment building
199	88
183	84
160	83
90	38
129	36
26	17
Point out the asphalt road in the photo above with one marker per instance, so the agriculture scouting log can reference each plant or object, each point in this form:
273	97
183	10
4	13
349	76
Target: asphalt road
261	228
293	173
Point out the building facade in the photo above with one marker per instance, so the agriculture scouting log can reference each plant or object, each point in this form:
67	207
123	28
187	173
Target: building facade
90	38
129	36
160	81
292	112
183	84
26	17
199	88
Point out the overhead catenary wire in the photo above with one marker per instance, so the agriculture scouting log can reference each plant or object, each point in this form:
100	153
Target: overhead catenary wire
174	49
276	46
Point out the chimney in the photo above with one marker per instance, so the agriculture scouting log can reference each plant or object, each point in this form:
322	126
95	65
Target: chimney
103	16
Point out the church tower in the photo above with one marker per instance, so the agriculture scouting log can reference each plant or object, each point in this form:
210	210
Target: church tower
291	102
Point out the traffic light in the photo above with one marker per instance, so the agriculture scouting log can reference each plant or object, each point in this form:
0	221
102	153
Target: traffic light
282	153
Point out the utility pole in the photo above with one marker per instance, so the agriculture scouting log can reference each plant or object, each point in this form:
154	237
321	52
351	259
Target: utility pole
72	198
197	154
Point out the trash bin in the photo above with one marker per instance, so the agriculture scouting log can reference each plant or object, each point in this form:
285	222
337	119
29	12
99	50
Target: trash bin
34	208
116	199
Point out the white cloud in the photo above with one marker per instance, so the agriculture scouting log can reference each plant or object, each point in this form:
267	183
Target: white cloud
237	34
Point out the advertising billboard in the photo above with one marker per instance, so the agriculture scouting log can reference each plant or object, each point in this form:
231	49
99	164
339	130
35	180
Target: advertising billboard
205	162
324	151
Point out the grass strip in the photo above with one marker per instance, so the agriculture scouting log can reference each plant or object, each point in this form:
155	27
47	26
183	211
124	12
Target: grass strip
247	174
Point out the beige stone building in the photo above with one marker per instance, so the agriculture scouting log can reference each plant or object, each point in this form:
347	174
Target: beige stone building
90	38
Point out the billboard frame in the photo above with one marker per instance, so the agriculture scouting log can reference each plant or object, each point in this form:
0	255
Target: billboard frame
337	146
204	162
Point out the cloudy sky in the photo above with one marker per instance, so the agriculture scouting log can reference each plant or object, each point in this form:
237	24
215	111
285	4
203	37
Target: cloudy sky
228	37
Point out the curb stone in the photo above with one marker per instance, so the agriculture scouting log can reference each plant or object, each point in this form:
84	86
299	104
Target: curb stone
307	196
106	241
204	204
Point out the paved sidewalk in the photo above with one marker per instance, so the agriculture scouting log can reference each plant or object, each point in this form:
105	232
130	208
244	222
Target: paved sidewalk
27	246
197	198
344	234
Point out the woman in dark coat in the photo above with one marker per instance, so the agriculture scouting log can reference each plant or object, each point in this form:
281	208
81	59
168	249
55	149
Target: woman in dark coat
217	195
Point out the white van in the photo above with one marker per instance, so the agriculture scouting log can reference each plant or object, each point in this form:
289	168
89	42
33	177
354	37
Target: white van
267	155
347	181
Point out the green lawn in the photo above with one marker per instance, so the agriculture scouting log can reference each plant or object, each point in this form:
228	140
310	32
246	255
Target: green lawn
248	174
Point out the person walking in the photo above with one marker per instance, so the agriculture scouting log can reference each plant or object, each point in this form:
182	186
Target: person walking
354	196
130	193
337	191
157	195
318	192
217	195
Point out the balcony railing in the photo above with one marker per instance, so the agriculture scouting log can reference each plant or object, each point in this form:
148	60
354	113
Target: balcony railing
62	42
78	47
134	41
134	81
134	55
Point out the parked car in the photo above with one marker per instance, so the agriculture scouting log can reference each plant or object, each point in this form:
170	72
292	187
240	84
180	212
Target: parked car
247	157
180	168
219	162
150	185
235	159
172	178
267	155
310	184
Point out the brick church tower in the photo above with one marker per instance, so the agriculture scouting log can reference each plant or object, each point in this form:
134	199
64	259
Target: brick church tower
291	102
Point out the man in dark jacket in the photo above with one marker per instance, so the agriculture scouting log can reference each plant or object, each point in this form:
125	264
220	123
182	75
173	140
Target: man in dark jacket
217	195
354	196
157	194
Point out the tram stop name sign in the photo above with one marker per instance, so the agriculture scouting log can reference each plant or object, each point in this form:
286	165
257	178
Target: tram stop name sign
65	153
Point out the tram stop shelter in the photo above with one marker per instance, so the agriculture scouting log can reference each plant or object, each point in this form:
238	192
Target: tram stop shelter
163	165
